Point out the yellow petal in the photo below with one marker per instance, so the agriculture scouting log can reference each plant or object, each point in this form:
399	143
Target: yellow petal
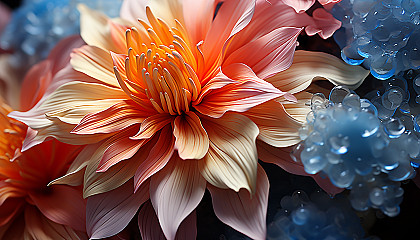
231	161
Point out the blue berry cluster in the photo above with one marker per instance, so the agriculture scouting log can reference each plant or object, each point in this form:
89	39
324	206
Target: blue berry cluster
381	35
37	26
345	140
318	217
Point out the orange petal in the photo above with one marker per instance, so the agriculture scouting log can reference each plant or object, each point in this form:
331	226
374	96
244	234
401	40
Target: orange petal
113	119
157	158
242	211
231	161
231	18
150	229
247	92
269	54
191	141
152	124
175	192
198	24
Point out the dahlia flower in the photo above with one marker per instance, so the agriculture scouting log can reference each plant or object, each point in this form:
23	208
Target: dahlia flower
178	97
29	209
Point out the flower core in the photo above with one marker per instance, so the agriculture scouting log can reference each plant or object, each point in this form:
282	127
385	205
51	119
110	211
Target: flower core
160	67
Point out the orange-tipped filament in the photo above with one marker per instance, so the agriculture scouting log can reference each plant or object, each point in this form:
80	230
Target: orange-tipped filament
160	67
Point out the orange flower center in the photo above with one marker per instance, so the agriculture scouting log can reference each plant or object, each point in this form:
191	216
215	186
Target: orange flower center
161	66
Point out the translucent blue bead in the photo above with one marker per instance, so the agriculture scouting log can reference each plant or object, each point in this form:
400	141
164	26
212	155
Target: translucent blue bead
380	35
354	142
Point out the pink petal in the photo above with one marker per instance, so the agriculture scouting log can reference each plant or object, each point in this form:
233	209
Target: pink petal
152	124
113	119
240	210
63	205
281	157
231	18
300	6
269	54
175	192
109	213
198	24
121	147
99	182
150	228
247	92
157	158
40	227
191	141
232	158
325	24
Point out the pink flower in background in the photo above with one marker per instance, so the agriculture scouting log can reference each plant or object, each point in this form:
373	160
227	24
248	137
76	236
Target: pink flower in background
301	6
178	102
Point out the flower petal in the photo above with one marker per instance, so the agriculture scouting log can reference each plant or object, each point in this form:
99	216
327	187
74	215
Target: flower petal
94	29
40	227
281	157
109	213
70	103
231	161
96	63
150	228
299	110
175	192
247	92
63	205
269	54
98	182
9	209
308	66
198	24
276	127
191	141
231	18
300	6
153	124
242	211
157	158
168	10
325	24
120	149
113	119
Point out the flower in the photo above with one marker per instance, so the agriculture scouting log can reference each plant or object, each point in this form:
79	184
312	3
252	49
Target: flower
28	207
178	102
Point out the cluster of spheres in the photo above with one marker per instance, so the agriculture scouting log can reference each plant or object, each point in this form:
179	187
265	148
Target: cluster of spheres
345	140
318	217
399	97
38	25
380	35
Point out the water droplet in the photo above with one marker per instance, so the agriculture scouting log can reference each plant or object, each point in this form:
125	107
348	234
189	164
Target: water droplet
339	144
394	128
338	93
